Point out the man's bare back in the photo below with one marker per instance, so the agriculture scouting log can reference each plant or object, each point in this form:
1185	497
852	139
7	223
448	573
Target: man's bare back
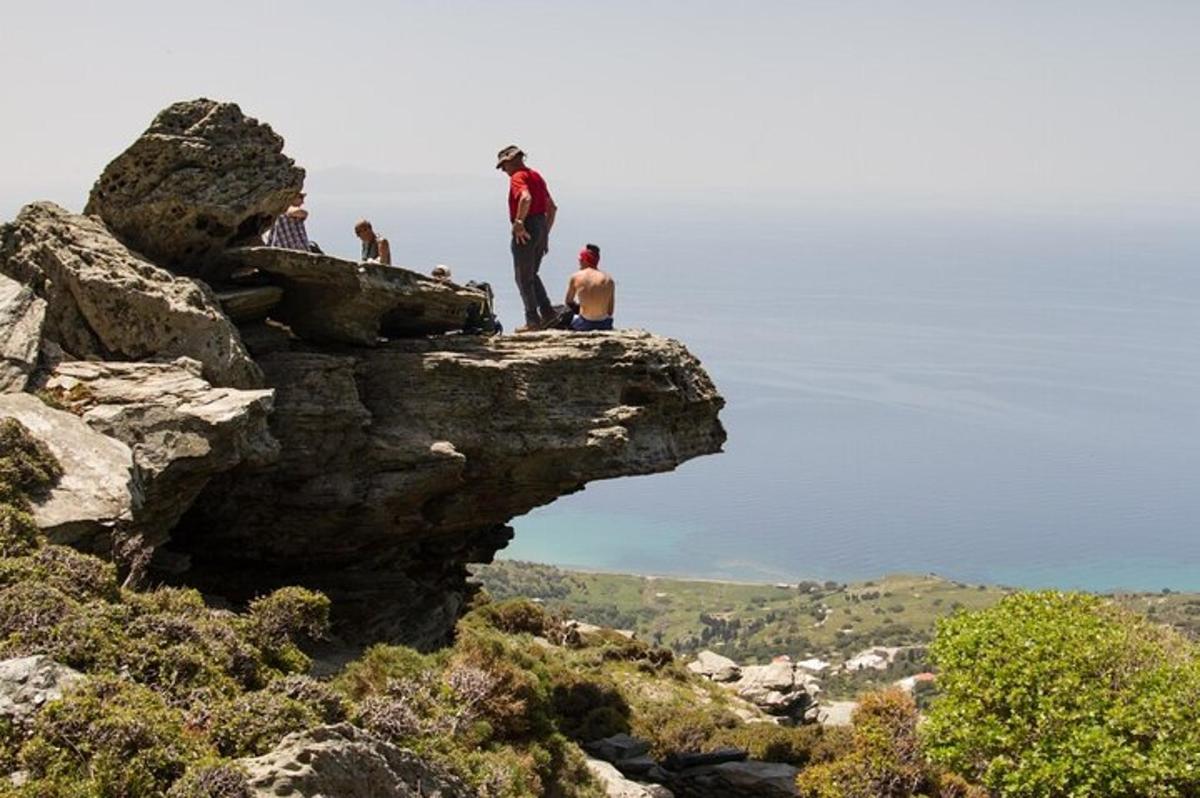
595	291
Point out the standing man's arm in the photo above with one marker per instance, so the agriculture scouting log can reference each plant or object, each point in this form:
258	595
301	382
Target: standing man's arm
385	252
519	232
612	299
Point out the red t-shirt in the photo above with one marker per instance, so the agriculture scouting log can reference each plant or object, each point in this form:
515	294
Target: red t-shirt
527	180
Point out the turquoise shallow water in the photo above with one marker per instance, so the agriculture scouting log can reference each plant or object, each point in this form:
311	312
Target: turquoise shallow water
1002	398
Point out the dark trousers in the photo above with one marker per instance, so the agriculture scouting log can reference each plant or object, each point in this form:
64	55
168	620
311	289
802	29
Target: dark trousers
527	259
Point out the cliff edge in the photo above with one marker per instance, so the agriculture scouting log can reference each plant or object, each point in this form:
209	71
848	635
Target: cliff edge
258	433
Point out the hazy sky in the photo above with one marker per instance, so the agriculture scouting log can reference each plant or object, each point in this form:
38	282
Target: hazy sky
973	101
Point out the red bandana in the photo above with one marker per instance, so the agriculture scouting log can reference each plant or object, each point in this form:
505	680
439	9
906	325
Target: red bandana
589	257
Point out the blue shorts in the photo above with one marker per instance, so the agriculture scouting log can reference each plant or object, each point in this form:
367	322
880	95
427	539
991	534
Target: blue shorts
580	324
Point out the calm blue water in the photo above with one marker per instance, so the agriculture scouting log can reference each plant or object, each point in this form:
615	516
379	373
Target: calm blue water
992	397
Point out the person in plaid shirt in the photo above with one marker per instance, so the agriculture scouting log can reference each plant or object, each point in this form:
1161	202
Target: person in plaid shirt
288	231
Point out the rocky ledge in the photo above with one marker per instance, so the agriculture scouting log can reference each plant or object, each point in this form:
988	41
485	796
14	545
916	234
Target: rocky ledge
294	446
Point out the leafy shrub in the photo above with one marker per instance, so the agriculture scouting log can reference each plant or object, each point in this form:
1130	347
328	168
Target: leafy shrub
111	737
18	532
674	728
1063	694
588	707
252	723
325	702
884	759
212	780
290	613
372	673
27	468
514	616
794	745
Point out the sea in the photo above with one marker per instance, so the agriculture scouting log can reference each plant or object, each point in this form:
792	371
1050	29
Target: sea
1005	395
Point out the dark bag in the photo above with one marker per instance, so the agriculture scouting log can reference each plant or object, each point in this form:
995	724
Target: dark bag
481	319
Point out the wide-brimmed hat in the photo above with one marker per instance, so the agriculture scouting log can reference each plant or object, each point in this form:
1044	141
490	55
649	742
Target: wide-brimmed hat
507	154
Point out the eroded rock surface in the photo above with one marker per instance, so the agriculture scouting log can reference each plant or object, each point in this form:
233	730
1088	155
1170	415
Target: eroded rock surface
29	683
401	464
347	762
736	780
328	299
99	488
22	315
202	178
106	302
617	786
181	430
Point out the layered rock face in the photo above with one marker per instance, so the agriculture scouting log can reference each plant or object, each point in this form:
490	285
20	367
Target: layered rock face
202	178
402	463
337	439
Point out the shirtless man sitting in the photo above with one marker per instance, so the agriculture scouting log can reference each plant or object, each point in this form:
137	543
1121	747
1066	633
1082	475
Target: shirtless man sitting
591	293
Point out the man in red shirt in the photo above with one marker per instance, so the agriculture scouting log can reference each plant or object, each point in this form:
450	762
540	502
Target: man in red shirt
531	210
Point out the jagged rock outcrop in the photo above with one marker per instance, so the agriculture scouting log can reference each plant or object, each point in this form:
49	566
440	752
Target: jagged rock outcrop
202	178
96	496
383	468
181	430
401	464
339	301
347	762
779	688
21	318
29	683
109	303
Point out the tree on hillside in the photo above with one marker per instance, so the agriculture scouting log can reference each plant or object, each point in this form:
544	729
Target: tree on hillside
1065	694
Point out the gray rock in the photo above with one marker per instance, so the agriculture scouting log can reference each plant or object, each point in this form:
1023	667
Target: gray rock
617	747
617	786
106	302
182	431
737	780
684	760
250	303
636	765
21	318
99	488
333	300
402	463
715	667
779	688
202	178
28	683
344	761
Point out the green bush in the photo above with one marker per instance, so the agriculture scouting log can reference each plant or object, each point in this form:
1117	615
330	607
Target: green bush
371	673
213	779
1064	694
111	738
252	723
288	614
27	468
793	745
884	759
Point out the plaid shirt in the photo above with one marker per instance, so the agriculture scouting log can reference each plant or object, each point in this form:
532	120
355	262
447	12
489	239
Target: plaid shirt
288	233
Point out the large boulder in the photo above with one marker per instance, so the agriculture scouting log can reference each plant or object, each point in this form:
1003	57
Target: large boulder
29	683
715	667
181	430
22	315
328	299
347	762
202	178
99	489
106	302
403	463
779	688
